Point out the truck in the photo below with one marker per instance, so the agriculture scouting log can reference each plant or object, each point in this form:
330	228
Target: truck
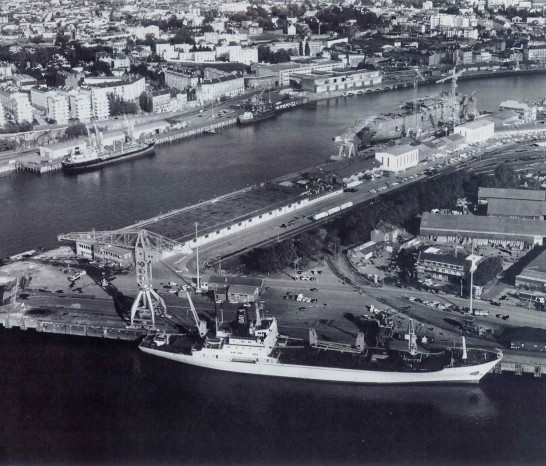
480	312
299	298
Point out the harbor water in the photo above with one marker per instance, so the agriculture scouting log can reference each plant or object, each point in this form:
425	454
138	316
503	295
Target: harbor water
70	400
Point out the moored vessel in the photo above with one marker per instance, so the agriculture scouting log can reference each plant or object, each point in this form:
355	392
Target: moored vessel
97	154
254	346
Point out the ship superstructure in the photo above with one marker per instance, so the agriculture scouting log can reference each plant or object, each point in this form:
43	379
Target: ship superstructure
254	346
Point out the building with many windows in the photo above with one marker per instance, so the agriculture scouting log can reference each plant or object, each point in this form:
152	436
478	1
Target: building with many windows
283	71
18	104
223	86
344	81
58	108
80	106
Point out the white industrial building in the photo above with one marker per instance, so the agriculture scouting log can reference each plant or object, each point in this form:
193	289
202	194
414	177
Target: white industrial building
62	149
398	158
2	116
476	131
526	112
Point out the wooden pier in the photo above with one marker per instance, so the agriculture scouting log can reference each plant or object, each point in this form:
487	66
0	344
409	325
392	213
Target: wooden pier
39	167
519	368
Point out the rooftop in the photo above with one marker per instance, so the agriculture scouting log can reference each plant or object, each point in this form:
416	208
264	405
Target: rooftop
476	124
519	194
472	224
516	207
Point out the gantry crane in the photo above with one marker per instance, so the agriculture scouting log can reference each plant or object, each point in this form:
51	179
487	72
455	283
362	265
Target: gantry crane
346	140
454	76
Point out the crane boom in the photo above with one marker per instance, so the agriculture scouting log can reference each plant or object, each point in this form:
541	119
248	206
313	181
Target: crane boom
200	324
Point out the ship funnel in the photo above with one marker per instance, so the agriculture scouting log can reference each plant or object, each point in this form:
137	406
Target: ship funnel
242	317
360	342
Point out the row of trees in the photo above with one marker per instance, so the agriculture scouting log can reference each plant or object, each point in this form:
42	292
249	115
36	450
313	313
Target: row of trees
399	208
266	55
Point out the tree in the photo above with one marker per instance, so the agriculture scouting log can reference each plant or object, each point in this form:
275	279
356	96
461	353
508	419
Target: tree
119	106
487	270
307	49
506	177
301	48
145	102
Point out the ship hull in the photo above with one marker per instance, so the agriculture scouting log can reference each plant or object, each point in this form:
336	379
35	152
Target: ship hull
84	165
257	118
450	375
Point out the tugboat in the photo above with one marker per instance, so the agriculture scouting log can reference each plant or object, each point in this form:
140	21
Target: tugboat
254	346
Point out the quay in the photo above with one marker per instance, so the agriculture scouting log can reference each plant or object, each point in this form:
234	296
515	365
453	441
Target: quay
39	167
519	368
178	135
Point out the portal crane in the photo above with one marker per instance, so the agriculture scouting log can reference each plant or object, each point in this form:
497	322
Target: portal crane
346	140
200	324
454	76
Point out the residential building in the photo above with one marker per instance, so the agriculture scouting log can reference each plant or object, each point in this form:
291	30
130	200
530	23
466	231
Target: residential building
181	79
99	103
535	53
246	55
39	96
223	86
476	131
58	108
80	106
18	104
5	69
161	101
398	158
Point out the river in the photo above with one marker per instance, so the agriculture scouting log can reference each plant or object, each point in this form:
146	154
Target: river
37	208
68	400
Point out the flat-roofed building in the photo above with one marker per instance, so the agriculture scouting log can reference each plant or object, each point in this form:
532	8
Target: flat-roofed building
398	158
456	228
283	71
242	293
476	131
223	86
344	81
58	108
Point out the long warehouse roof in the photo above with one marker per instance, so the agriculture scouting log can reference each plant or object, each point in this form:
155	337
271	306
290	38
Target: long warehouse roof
468	224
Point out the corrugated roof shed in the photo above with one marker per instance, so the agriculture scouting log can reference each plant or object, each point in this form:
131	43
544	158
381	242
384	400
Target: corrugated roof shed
516	208
500	193
468	225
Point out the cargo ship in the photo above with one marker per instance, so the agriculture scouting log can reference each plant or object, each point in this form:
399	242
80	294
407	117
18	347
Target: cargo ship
432	115
97	154
257	109
254	346
256	115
